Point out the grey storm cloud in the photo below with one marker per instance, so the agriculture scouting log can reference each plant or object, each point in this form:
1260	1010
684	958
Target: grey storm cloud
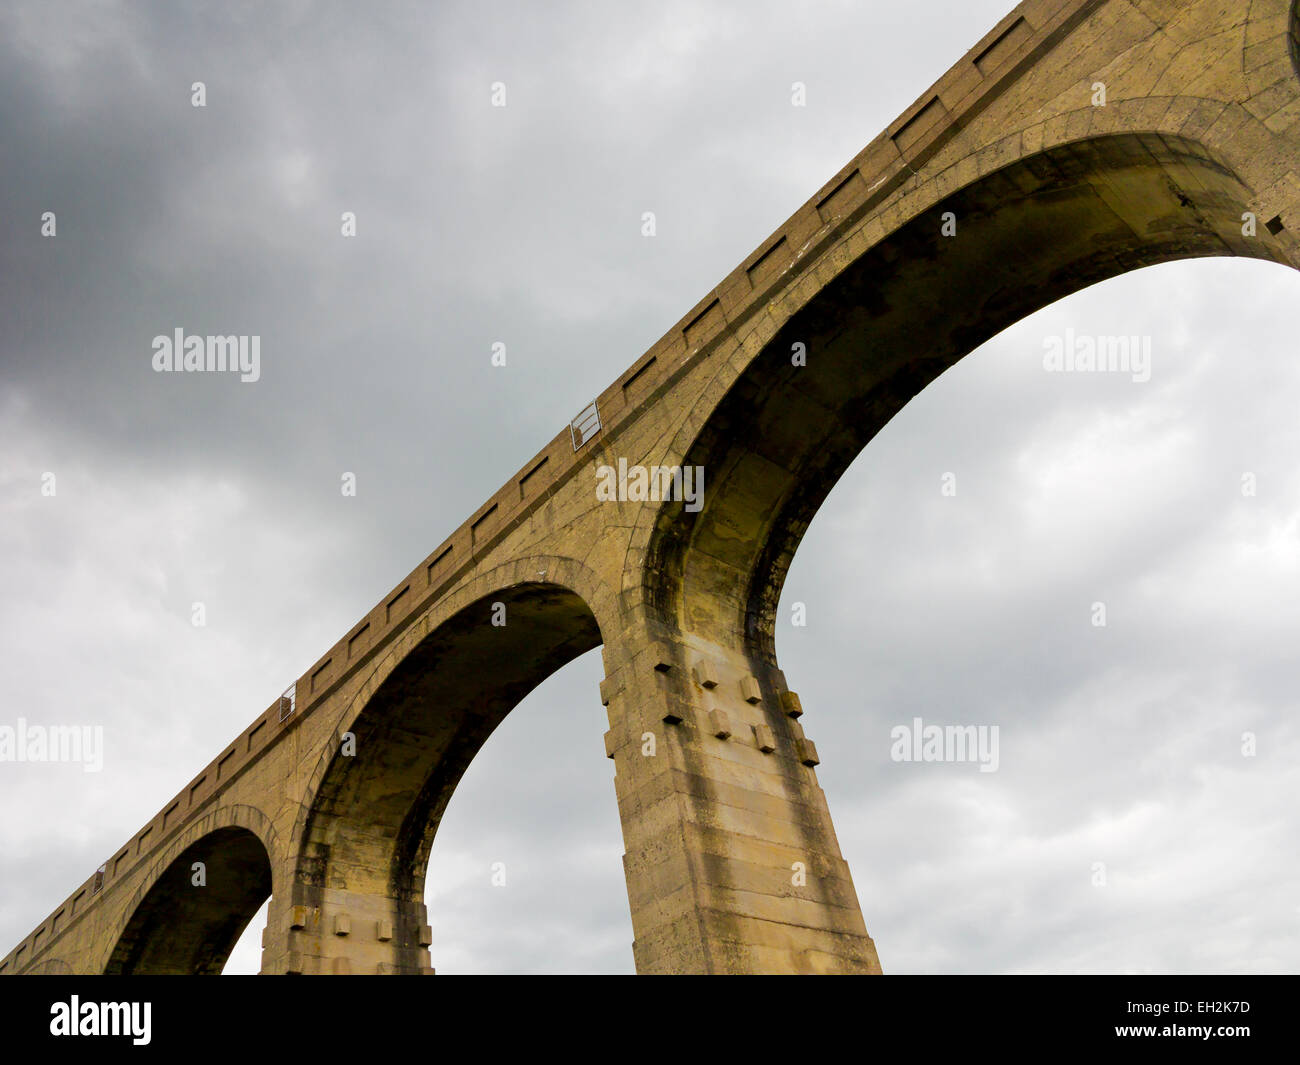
1120	746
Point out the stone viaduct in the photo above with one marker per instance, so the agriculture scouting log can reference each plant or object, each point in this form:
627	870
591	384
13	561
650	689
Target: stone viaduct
328	803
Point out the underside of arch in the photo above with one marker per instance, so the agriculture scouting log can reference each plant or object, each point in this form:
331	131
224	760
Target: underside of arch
376	811
1295	37
187	928
895	319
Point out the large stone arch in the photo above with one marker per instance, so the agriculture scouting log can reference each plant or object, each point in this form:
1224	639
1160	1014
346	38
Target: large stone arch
170	925
1031	232
367	824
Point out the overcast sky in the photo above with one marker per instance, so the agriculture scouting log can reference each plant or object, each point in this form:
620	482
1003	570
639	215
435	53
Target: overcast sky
1119	745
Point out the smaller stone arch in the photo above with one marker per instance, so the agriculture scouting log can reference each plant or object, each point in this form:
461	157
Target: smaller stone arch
367	823
361	842
562	572
173	926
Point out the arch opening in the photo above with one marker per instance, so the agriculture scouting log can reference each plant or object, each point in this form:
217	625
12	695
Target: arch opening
894	320
527	872
979	609
184	928
374	816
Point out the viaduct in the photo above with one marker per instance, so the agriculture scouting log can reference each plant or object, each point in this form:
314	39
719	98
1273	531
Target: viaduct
1078	140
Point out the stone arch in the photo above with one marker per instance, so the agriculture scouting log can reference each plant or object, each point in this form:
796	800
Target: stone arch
368	821
1037	226
173	927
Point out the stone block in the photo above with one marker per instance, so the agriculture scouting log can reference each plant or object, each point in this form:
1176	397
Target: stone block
791	705
705	675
